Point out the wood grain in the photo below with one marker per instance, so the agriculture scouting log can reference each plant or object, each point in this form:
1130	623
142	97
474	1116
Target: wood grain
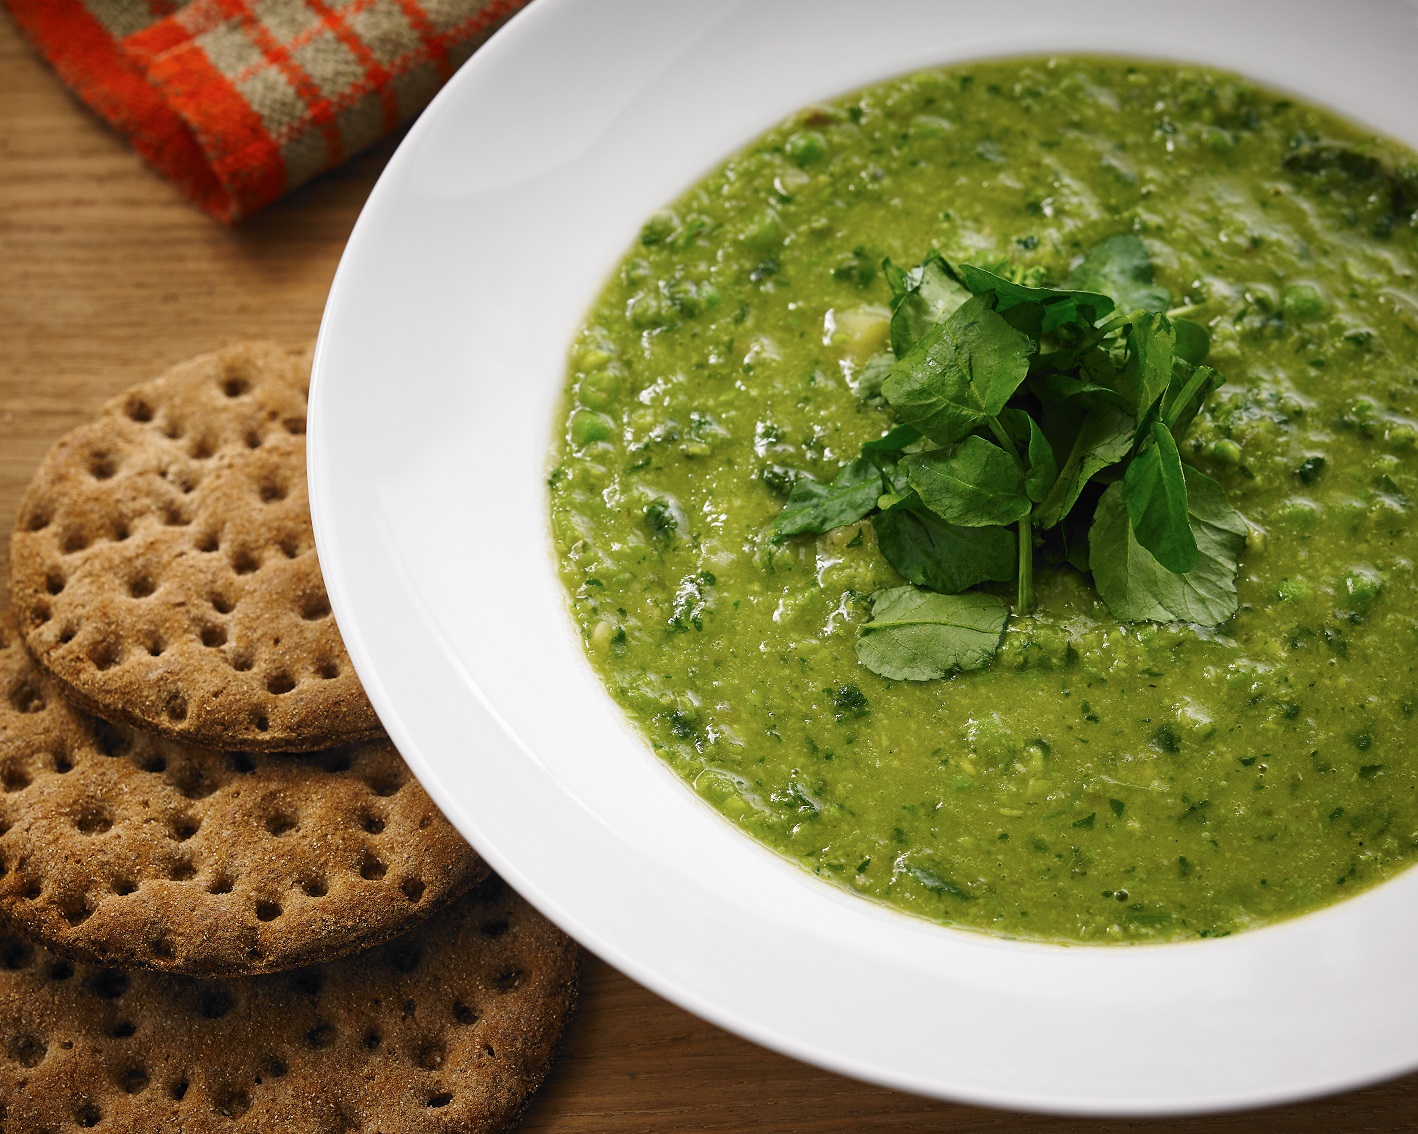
106	278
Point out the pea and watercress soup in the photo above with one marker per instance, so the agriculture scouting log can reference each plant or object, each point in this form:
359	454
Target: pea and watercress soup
1110	771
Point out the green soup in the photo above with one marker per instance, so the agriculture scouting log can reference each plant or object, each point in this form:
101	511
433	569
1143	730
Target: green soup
1099	781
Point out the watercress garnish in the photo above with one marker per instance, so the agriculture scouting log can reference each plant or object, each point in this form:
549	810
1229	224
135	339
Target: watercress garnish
815	507
1030	417
973	483
960	373
1121	268
1135	584
920	298
917	635
931	553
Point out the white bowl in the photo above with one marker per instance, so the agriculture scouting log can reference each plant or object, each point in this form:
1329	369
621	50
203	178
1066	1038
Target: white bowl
437	378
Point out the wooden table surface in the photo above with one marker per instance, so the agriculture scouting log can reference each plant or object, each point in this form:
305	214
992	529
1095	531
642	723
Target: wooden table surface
107	278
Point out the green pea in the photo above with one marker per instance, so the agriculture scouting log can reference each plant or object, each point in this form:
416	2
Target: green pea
716	786
1303	302
1300	515
600	389
593	357
1218	141
1352	511
635	271
1361	585
691	298
1290	590
1386	464
1402	437
765	232
648	309
1226	452
659	227
805	147
589	428
930	126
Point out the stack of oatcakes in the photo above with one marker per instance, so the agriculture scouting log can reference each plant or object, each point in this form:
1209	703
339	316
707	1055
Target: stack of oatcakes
225	903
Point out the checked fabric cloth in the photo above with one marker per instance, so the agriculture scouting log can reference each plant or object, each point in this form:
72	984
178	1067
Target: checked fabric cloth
240	101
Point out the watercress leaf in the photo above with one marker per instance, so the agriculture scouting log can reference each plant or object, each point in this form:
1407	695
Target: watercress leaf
915	635
1058	308
1148	369
816	507
973	483
893	479
1087	359
1076	525
1055	386
931	553
895	276
894	441
1104	438
1186	397
1099	365
1043	466
1067	541
931	871
1137	588
1155	493
867	385
1143	431
1016	424
1193	341
1119	267
921	298
963	370
1067	400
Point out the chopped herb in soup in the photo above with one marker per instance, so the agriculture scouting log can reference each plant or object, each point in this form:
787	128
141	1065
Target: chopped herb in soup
993	490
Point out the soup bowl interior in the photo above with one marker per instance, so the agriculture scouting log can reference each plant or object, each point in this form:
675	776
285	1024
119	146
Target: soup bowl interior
437	380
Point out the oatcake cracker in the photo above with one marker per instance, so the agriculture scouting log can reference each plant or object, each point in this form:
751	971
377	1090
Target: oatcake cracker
164	569
449	1028
122	847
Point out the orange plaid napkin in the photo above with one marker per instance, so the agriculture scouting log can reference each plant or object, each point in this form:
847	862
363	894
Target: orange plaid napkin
239	101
